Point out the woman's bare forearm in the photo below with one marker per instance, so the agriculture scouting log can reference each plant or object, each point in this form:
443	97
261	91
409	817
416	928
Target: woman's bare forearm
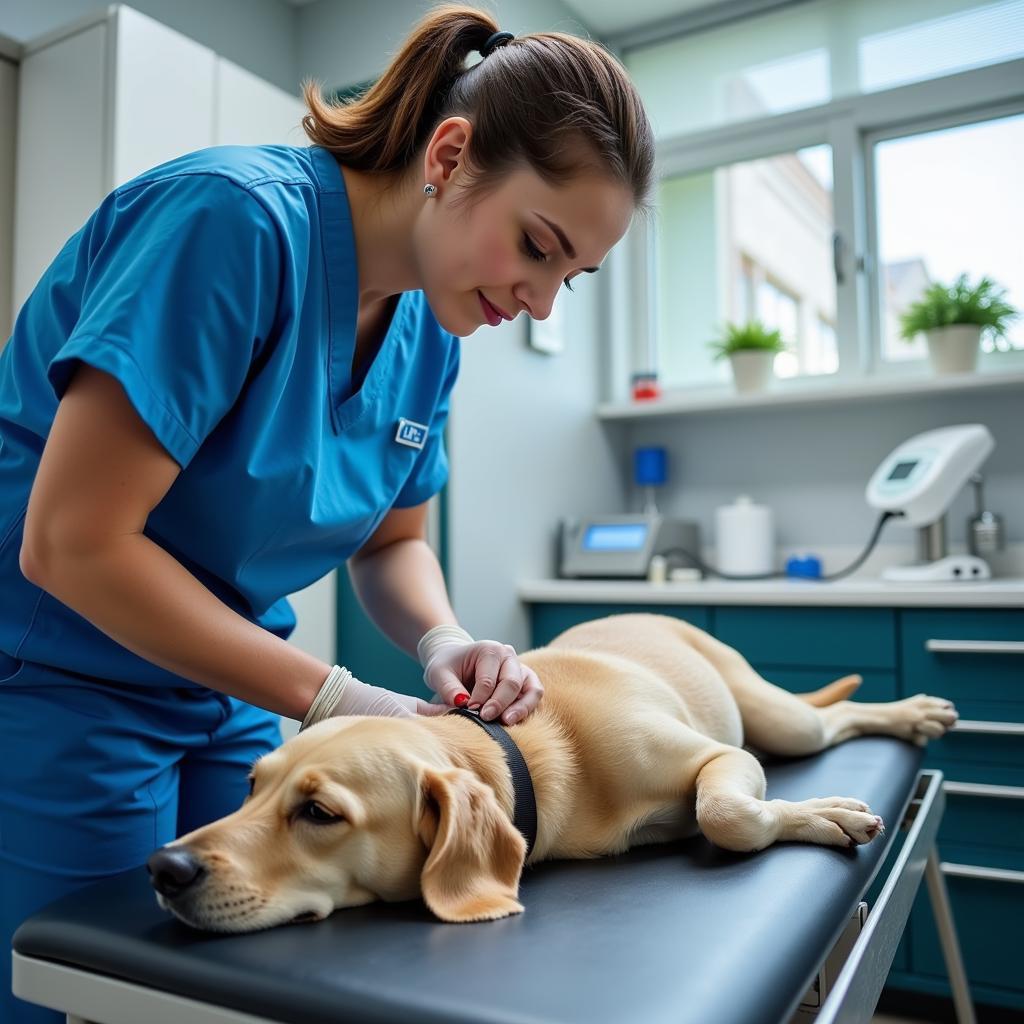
147	601
402	589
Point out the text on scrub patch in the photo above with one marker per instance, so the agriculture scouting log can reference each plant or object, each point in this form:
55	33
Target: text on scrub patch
410	433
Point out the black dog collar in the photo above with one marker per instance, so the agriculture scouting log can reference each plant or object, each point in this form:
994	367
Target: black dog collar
525	814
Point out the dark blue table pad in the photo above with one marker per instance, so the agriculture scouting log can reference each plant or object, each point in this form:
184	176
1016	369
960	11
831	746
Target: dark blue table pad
680	932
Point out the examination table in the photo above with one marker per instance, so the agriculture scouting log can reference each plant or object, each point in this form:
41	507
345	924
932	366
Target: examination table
679	932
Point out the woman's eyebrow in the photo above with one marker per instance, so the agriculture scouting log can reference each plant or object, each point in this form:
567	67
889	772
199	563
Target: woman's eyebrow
565	243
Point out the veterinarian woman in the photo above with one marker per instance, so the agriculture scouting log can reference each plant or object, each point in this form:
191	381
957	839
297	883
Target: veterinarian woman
235	377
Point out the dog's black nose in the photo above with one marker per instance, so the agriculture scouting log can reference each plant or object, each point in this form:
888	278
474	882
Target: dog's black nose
172	871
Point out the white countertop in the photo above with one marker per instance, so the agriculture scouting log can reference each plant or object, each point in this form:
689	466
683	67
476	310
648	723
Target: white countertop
997	593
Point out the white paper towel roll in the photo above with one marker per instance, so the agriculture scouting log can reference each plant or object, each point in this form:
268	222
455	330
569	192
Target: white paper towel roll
745	537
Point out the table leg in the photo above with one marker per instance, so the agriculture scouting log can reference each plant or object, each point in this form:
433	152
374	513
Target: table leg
947	937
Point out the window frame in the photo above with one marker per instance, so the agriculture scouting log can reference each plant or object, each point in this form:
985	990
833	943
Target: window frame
850	126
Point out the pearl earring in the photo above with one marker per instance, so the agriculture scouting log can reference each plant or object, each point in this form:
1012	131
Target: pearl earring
430	191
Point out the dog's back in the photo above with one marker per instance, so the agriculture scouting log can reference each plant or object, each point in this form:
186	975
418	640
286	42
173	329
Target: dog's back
658	647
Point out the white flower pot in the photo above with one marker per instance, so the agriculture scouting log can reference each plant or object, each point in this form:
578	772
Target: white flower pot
954	349
752	370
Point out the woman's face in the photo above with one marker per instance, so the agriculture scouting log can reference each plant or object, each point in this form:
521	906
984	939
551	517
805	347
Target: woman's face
511	250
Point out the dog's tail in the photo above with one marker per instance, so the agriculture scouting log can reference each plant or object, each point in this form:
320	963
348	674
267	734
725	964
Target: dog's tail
839	690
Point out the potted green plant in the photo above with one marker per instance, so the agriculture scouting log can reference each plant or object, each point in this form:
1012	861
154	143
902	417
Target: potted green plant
953	318
751	348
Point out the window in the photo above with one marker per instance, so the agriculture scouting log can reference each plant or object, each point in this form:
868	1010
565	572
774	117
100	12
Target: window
949	202
748	241
821	165
808	54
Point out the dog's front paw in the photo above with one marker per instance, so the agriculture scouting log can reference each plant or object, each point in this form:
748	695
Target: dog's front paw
926	718
830	821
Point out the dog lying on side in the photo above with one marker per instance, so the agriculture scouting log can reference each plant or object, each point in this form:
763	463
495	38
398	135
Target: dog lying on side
639	739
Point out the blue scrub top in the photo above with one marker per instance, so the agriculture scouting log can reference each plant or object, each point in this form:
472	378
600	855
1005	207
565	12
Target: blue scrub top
221	290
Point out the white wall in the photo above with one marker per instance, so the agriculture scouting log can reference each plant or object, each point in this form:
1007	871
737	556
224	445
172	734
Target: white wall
346	43
812	466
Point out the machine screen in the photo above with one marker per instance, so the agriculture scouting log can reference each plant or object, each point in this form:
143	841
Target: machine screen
615	537
901	470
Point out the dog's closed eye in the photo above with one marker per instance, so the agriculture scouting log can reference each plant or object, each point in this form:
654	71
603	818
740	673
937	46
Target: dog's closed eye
318	814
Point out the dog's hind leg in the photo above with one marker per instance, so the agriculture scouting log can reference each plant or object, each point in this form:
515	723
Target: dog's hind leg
779	722
733	814
919	719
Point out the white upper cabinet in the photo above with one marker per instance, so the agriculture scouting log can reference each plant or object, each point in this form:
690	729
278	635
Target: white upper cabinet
162	94
106	99
252	112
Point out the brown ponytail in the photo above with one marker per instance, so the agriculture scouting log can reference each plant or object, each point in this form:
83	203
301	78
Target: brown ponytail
551	100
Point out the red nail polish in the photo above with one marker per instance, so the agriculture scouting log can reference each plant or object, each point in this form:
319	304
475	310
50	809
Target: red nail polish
461	700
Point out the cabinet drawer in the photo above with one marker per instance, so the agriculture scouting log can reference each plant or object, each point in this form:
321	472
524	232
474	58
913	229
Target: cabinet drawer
989	917
975	658
877	685
858	637
978	752
548	620
983	825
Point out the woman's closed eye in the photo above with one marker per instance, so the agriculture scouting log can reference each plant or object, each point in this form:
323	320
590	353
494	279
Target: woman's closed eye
535	254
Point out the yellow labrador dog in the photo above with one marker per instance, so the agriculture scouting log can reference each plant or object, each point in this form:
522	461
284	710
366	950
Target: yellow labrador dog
639	739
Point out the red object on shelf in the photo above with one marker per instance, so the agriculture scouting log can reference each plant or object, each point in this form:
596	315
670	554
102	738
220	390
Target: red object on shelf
645	387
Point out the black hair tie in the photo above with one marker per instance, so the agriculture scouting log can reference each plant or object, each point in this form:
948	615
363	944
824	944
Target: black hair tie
494	41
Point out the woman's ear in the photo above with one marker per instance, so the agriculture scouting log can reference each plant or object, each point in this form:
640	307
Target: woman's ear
447	149
476	854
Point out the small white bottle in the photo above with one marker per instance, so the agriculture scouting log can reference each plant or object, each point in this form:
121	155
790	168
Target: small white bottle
745	538
657	570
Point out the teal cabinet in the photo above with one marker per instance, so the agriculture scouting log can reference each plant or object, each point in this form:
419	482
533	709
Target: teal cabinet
975	658
876	686
855	638
802	649
989	918
944	652
367	653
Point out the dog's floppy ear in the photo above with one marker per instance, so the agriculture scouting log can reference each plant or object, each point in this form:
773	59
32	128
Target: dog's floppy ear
476	854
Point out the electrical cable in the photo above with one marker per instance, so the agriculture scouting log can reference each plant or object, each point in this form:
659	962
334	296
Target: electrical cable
852	567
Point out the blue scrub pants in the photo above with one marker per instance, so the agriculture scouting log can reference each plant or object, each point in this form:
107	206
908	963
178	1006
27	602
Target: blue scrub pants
95	775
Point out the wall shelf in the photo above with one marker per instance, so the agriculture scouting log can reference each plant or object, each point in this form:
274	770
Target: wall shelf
797	394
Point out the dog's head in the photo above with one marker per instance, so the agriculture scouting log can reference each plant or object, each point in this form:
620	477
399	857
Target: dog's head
350	811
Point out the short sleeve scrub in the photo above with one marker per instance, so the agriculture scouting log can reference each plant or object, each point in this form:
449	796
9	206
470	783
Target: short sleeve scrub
221	291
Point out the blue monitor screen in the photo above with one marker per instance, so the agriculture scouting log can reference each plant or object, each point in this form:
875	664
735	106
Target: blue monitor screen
615	537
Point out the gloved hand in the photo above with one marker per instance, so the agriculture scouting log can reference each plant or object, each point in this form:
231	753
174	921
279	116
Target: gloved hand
343	694
465	672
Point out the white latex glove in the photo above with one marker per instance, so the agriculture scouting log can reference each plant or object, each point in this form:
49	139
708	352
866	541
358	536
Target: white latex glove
343	694
359	698
485	674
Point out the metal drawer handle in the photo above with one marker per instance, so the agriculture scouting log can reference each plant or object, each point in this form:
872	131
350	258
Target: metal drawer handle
991	728
989	874
975	646
982	789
